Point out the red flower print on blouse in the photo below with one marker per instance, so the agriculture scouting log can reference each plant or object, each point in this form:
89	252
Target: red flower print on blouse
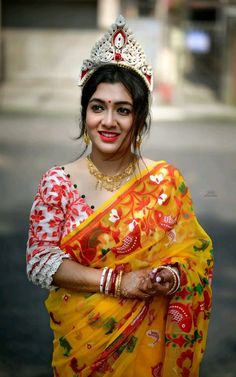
56	211
37	216
54	222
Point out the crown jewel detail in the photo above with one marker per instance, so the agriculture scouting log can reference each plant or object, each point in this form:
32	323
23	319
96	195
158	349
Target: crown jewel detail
117	46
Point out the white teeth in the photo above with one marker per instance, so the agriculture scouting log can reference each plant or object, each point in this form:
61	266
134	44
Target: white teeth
108	134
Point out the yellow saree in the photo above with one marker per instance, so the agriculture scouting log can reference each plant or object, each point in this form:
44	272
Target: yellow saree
148	222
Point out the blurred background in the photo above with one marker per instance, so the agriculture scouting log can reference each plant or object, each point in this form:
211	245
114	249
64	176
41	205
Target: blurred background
191	45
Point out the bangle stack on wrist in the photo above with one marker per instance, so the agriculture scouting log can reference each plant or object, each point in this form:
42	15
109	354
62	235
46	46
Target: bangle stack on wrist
110	282
175	276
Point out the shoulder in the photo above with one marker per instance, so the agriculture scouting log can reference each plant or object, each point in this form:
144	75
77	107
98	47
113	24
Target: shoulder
161	165
165	171
76	166
54	175
54	185
55	171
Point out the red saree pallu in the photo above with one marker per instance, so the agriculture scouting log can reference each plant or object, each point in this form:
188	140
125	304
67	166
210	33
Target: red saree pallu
149	222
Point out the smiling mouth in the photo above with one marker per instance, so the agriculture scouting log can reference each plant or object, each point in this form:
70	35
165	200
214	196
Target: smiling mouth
108	134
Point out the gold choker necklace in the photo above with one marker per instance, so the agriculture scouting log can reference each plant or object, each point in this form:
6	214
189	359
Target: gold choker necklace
111	182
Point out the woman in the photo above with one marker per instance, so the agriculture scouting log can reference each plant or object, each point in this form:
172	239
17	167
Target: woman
115	239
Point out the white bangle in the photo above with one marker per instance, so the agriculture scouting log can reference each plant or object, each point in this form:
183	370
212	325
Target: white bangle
102	278
108	281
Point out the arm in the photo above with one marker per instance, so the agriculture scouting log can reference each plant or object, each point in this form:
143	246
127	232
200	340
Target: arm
73	275
47	264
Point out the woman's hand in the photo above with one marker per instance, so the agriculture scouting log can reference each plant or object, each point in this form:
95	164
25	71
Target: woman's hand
136	284
142	284
162	280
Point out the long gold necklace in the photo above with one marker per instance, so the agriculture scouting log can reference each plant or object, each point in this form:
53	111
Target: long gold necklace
111	182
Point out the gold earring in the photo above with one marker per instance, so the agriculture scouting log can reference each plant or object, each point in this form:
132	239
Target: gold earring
86	138
139	141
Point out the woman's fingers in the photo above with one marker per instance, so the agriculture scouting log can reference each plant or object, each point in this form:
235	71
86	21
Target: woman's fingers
163	288
144	284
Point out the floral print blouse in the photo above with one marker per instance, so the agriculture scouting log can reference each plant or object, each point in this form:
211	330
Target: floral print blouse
57	209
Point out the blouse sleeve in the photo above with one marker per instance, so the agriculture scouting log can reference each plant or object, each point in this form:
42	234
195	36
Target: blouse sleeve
47	218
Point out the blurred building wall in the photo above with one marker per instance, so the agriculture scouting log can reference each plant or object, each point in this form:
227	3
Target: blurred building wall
215	66
43	45
44	42
229	53
199	41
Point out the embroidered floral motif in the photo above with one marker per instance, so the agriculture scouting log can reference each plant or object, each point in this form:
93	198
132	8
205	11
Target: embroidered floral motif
114	217
158	178
183	340
132	225
161	199
184	362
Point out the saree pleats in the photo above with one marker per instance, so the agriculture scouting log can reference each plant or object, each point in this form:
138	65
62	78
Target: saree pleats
148	223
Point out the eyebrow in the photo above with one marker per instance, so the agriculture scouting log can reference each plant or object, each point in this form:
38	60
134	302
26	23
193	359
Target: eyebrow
116	103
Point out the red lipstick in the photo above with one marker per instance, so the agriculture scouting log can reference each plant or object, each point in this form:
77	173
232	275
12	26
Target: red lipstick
108	136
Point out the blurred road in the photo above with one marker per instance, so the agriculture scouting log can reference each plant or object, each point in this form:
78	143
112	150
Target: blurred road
205	152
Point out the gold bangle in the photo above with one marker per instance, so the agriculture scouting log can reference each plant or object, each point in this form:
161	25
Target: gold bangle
175	286
177	283
108	281
118	284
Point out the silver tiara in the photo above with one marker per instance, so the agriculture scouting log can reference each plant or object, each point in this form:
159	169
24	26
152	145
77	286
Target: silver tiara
118	46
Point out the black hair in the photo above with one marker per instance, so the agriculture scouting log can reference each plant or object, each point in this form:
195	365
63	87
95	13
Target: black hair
111	73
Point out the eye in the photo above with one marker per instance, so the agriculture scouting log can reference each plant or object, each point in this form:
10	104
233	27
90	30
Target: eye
97	108
123	111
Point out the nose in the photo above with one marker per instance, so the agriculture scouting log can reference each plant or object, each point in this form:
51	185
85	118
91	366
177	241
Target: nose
109	119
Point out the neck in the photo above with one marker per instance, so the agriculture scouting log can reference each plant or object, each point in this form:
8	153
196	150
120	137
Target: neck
111	164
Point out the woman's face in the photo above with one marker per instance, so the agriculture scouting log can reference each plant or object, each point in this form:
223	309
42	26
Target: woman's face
109	118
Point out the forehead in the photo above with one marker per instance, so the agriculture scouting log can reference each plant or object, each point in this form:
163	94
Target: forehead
116	92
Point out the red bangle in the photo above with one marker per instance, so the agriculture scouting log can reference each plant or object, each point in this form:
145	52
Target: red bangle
113	282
